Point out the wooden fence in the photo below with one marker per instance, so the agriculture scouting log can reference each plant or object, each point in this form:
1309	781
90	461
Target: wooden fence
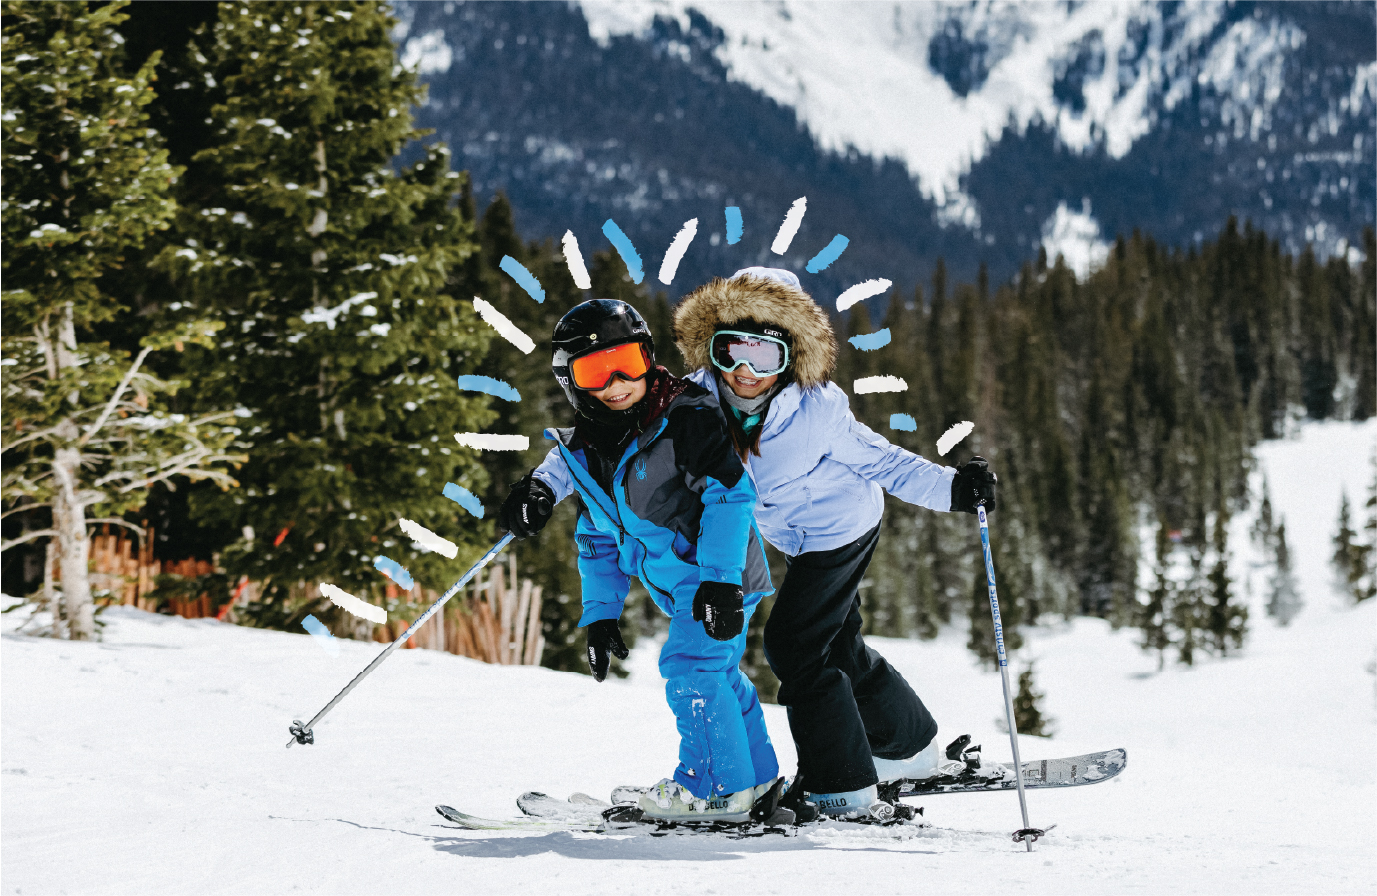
125	568
490	621
494	620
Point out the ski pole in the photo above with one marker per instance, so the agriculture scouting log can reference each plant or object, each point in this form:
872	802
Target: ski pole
303	734
1028	833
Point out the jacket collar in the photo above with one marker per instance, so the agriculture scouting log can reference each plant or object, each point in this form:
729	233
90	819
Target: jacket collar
693	396
783	406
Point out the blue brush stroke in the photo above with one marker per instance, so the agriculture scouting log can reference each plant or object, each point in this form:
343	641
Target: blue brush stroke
524	278
487	384
321	635
393	570
828	255
902	422
868	342
734	225
464	498
622	244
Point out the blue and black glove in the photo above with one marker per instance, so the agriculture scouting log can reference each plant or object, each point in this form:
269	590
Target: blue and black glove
974	485
721	609
604	642
527	508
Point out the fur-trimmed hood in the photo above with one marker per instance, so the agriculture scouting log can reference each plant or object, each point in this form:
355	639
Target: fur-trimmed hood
764	299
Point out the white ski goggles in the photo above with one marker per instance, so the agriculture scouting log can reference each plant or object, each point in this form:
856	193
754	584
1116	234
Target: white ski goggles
762	355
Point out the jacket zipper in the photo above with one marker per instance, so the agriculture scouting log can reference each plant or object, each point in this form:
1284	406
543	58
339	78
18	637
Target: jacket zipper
615	514
612	514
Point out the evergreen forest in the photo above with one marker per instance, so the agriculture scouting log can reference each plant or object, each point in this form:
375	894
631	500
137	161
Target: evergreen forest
232	315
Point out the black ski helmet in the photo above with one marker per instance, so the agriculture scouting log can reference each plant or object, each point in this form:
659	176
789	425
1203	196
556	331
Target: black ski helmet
592	325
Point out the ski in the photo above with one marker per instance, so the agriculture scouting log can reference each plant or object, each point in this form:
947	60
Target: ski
474	823
612	820
1040	774
580	812
578	808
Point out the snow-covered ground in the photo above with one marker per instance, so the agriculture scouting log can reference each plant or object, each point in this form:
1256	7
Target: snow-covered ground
154	761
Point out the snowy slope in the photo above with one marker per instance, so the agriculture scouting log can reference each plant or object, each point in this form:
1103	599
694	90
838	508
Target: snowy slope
154	762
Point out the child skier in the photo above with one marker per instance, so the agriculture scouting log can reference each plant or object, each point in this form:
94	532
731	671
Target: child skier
665	498
766	350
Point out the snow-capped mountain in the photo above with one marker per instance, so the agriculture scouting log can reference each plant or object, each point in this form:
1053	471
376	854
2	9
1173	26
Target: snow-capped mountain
978	131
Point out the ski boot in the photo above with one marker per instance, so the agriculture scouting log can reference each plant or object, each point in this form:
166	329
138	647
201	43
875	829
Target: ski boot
670	801
926	763
962	765
847	804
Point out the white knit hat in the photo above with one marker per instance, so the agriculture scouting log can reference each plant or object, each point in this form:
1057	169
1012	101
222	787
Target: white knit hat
779	274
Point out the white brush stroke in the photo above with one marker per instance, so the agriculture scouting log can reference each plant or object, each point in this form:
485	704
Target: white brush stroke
868	384
505	328
675	253
429	540
349	603
574	259
952	437
790	226
486	441
860	292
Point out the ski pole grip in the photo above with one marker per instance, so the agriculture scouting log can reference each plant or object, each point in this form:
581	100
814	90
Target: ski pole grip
542	505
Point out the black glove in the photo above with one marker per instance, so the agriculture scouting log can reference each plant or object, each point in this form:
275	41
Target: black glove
604	637
719	606
974	485
528	507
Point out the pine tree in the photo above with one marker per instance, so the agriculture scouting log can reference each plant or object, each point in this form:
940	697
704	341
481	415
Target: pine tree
1264	530
550	559
937	335
1319	373
1283	595
1351	559
329	268
929	613
1028	717
1367	586
1187	613
85	427
1227	620
1154	616
1364	332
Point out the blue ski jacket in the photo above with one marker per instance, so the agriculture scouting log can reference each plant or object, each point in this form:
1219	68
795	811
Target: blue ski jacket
681	512
821	474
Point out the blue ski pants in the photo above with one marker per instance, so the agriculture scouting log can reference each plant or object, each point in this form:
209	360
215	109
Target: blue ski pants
723	745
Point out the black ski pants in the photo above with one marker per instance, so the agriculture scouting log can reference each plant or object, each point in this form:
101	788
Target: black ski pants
846	703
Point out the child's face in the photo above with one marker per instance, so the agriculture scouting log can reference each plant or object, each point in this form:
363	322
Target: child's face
621	394
746	384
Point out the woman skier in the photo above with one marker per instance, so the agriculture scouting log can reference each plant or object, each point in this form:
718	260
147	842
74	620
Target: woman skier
662	497
763	347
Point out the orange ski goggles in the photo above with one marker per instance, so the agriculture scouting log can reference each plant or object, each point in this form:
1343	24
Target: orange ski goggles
594	371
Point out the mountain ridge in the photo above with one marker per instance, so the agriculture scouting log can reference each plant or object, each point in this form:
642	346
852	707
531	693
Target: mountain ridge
654	113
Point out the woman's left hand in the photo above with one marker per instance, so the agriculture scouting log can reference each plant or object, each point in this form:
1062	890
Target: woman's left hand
973	486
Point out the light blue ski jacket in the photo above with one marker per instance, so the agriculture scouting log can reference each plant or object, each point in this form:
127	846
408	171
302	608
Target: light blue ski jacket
679	514
821	474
